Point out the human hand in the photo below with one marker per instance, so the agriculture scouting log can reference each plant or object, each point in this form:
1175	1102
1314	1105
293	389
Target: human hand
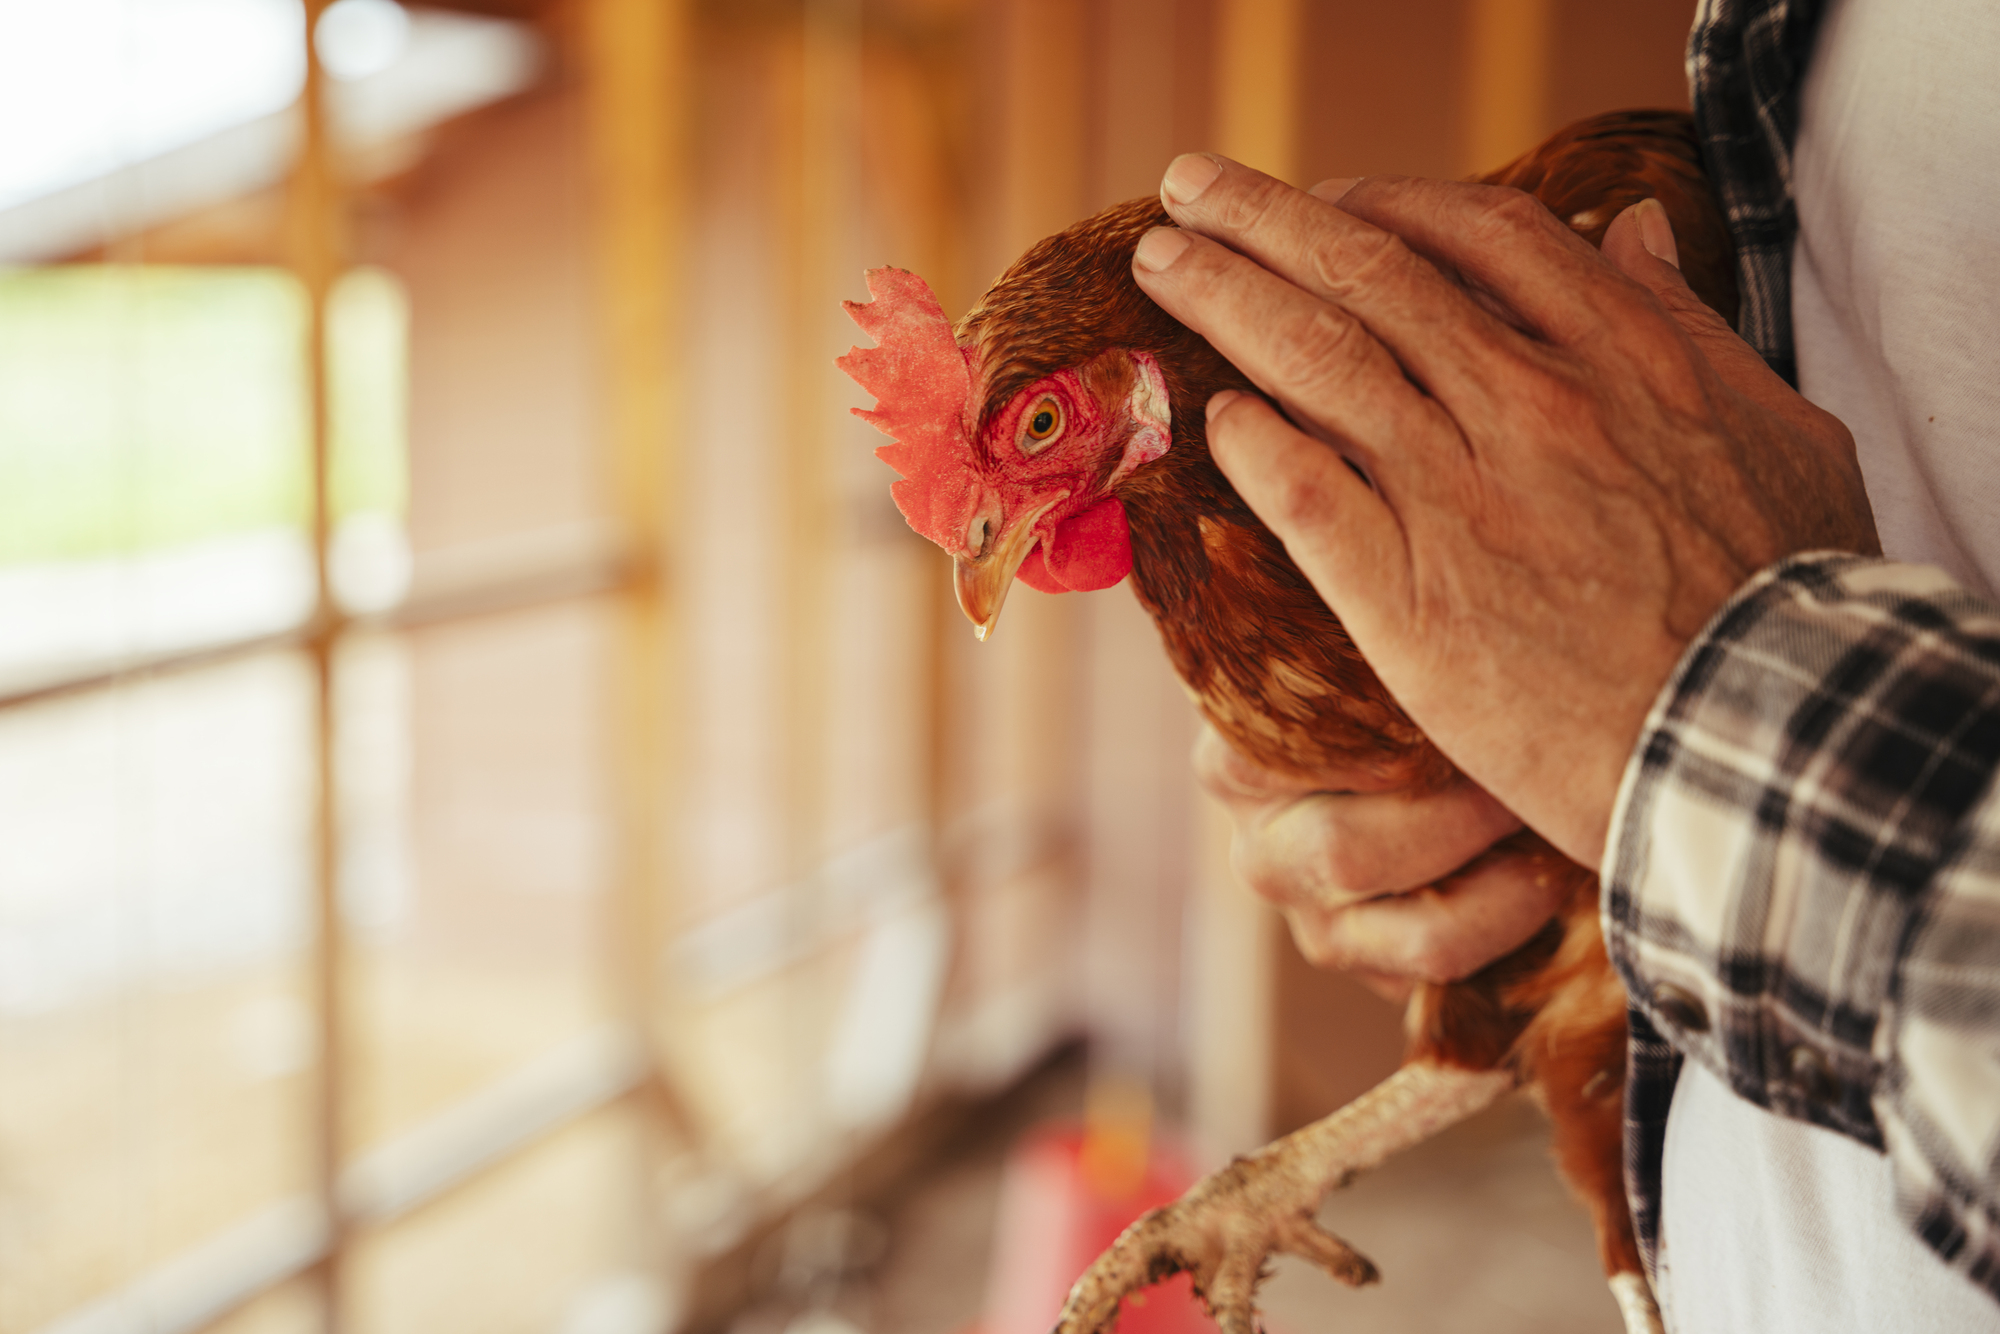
1390	885
1571	462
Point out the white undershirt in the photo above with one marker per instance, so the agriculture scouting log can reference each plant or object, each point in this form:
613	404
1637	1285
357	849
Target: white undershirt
1770	1226
1767	1225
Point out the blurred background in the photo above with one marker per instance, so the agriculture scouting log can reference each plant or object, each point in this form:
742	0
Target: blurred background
501	824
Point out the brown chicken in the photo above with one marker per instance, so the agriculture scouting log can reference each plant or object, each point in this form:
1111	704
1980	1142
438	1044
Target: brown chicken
1056	435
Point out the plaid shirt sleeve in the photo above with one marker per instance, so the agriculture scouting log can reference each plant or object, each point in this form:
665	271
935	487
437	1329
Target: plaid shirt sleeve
1746	64
1802	882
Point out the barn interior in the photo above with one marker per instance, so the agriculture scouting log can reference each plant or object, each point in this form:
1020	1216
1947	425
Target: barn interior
502	826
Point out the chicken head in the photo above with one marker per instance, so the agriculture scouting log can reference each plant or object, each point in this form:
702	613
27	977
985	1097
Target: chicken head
1026	490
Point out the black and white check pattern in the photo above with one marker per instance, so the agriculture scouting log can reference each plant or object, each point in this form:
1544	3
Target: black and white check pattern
1746	64
1802	886
1746	71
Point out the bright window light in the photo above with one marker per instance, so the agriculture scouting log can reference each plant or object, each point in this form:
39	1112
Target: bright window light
357	38
154	474
86	85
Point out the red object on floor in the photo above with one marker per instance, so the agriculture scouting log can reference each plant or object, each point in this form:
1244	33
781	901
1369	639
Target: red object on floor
1054	1221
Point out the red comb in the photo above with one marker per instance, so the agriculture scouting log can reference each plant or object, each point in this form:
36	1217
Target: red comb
923	396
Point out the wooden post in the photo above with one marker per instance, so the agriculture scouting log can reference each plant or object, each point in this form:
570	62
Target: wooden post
1232	982
316	227
636	58
1045	142
1507	79
1257	84
821	166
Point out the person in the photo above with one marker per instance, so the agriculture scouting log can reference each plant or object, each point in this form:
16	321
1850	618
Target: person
1626	577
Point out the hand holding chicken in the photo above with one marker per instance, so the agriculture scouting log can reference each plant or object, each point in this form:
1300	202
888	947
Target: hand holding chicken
1390	886
1567	473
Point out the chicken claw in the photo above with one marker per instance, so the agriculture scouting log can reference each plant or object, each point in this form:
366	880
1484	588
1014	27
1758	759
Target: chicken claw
1224	1229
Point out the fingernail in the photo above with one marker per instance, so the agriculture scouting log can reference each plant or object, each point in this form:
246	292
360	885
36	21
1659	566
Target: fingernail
1160	247
1218	402
1332	191
1656	232
1188	175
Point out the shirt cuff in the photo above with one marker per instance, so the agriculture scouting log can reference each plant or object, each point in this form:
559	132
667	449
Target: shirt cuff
1795	785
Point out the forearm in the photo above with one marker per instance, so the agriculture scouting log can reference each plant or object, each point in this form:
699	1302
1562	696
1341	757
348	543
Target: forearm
1802	884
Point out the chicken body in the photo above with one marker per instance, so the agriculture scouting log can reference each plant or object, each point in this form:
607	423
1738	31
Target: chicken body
1273	670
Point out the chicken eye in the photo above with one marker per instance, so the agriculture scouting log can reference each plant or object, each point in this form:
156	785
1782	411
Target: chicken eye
1043	424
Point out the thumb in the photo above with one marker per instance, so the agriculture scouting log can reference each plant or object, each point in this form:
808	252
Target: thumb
1640	244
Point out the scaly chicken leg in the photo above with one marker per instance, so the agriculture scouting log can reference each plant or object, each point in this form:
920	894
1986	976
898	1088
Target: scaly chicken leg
1223	1230
1568	1052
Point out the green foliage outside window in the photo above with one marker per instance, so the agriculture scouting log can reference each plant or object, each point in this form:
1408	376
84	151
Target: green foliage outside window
149	406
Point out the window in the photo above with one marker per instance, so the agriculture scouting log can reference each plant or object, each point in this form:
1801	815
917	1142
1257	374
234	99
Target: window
633	839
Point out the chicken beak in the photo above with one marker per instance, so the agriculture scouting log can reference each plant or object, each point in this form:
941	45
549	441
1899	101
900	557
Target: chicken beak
983	582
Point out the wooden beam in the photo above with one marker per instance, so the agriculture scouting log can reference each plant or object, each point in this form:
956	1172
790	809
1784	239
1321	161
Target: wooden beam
635	59
1257	84
316	227
1231	982
1507	79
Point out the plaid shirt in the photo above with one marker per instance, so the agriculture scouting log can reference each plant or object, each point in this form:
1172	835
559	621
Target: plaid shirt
1746	63
1746	69
1802	883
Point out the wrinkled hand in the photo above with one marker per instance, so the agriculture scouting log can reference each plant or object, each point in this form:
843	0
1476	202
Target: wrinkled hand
1571	462
1392	886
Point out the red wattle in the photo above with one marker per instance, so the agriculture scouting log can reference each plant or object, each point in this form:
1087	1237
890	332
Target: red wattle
1092	550
1089	551
1034	572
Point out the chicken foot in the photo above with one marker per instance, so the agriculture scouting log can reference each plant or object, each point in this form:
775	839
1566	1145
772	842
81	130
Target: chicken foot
1223	1230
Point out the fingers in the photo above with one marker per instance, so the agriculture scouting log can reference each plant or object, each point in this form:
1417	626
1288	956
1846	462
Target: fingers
1332	189
1241	782
1639	243
1335	528
1440	933
1314	358
1503	242
1439	336
1391	987
1332	850
1236	780
1656	231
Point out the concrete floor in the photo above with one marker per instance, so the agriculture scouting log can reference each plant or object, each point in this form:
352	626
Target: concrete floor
1471	1231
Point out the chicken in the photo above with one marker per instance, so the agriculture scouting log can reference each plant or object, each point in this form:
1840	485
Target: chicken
1056	436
